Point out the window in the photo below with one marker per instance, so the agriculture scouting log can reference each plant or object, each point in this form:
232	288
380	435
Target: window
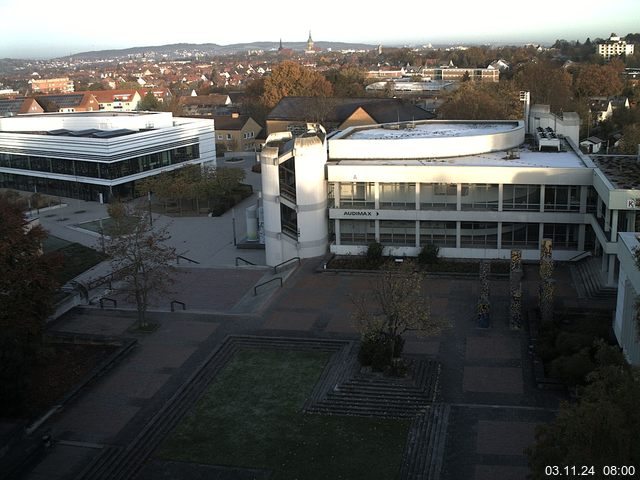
289	221
228	136
398	232
480	196
521	197
564	236
438	196
479	235
442	234
219	136
562	198
398	196
520	235
357	195
357	232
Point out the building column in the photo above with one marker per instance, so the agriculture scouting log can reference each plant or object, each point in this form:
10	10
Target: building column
541	202
458	229
417	195
458	197
582	232
584	192
336	194
376	196
614	225
418	233
377	229
631	221
336	231
540	235
612	271
500	201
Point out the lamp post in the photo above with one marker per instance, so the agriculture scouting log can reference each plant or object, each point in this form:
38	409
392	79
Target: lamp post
150	216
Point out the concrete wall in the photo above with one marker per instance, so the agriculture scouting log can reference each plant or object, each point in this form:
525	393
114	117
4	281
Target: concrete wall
624	324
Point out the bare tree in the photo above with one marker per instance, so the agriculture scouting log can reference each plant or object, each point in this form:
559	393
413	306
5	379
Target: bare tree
395	304
138	252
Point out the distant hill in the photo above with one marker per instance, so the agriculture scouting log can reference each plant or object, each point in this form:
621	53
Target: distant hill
184	49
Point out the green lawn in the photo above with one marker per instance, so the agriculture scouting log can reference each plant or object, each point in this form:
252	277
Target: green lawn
251	417
105	224
75	259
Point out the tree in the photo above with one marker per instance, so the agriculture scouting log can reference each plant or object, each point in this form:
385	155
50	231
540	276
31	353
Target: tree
395	304
139	253
598	80
290	79
27	286
149	103
347	82
548	84
599	430
483	101
630	139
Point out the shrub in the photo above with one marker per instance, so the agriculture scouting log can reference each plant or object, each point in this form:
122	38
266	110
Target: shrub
375	350
374	253
573	368
428	254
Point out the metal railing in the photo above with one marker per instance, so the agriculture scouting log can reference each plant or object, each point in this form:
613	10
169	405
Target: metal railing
579	256
178	257
255	289
174	302
107	299
275	269
243	260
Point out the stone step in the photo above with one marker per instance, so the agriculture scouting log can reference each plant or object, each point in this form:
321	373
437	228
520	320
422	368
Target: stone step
363	412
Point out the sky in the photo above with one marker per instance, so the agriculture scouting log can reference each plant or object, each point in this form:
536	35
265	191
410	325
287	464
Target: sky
48	29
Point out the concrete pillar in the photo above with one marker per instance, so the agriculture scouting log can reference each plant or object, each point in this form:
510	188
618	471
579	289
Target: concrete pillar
540	235
614	225
418	233
612	271
336	194
458	229
458	197
337	230
541	200
582	231
417	195
584	192
500	230
376	194
500	201
377	228
631	221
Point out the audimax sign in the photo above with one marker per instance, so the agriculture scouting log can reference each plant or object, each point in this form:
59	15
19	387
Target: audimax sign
361	213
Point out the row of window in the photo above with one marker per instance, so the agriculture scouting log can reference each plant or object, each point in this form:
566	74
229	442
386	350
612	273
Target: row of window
443	234
246	136
440	196
108	171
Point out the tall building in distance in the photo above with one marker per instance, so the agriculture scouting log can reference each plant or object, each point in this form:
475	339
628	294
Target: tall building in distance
614	47
310	48
52	85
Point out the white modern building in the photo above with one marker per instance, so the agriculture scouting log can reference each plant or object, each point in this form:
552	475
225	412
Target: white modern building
625	325
98	155
614	47
475	189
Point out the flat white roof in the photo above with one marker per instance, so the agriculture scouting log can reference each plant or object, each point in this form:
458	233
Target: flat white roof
527	158
430	130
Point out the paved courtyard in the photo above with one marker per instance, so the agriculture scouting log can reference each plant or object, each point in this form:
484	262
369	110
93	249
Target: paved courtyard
486	373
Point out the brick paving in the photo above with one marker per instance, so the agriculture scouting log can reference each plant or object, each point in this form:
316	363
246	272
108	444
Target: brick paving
486	378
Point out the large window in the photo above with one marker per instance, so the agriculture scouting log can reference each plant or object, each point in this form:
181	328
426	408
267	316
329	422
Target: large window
564	236
479	196
398	232
400	196
357	195
442	234
287	173
561	198
521	197
438	196
357	232
289	221
479	235
520	235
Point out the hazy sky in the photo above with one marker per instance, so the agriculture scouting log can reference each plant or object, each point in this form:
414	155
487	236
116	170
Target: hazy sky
46	28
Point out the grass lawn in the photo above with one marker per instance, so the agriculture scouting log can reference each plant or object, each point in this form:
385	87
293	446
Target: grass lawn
106	224
251	417
76	258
